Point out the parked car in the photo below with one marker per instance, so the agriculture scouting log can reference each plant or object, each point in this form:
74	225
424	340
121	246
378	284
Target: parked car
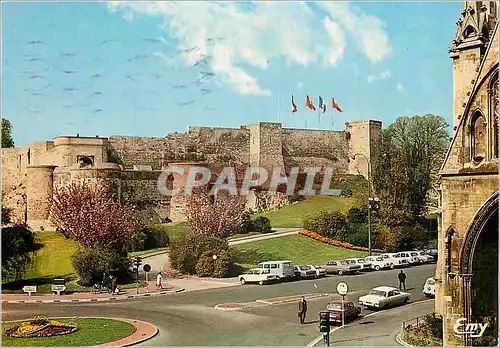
394	260
407	255
257	275
365	266
433	253
320	271
341	267
424	257
377	262
383	297
303	271
283	269
350	311
430	287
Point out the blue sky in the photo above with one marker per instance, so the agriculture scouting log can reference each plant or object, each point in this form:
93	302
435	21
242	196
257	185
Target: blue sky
148	69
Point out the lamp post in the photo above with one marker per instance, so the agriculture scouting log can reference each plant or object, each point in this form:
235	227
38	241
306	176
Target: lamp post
373	202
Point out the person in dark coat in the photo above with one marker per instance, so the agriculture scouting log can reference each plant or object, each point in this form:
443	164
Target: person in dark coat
402	280
302	310
113	284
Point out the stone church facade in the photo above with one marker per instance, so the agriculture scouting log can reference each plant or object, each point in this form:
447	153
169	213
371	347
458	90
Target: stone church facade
467	270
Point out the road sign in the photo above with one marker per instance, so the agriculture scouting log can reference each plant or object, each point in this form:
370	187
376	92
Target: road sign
58	288
342	288
29	289
146	268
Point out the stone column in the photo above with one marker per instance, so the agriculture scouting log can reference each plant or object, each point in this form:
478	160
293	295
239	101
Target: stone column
39	195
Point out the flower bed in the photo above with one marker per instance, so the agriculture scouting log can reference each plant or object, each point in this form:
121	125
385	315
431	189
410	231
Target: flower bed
40	326
337	243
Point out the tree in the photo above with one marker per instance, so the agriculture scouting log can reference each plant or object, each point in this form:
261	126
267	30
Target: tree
7	140
221	215
88	214
6	215
18	246
408	156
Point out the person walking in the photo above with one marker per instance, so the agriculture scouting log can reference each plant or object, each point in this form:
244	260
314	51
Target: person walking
159	278
402	280
113	284
302	310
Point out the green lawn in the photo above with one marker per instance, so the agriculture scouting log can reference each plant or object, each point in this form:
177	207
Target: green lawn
296	248
91	332
291	216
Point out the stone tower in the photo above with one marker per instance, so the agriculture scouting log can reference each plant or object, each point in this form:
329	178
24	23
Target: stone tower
362	136
39	195
474	30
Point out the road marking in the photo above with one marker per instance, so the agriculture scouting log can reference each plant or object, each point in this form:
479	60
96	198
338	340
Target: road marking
319	338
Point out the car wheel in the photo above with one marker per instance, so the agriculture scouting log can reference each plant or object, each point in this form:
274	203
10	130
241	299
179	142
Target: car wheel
261	282
340	272
406	301
377	268
392	266
242	281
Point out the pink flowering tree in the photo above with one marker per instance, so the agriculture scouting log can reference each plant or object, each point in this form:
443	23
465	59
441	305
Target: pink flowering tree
87	213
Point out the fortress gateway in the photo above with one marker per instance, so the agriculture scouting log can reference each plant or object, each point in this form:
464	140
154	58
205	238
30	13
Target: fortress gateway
131	165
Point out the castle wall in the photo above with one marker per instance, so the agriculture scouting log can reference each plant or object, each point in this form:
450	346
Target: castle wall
13	183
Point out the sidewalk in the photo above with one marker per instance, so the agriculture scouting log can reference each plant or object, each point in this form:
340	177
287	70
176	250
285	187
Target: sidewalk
89	296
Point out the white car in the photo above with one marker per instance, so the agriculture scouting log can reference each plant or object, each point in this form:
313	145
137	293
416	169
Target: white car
426	258
383	297
320	271
394	260
406	255
377	262
430	287
257	275
365	266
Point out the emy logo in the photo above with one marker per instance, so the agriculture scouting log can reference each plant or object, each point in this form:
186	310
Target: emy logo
461	328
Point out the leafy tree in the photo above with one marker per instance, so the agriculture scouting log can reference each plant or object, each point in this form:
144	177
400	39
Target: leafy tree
6	215
407	159
329	224
18	246
7	140
221	215
88	214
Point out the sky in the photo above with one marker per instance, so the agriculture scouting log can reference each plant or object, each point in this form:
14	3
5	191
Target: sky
153	68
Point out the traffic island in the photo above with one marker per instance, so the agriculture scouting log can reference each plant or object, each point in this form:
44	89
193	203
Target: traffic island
112	332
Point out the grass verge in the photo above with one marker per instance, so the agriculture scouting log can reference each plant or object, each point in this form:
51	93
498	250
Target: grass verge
296	248
91	331
292	215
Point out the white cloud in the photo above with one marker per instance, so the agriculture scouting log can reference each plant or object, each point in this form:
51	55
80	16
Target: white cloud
236	35
384	75
369	31
400	87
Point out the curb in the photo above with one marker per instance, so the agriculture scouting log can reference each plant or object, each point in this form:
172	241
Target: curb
145	256
104	299
143	339
401	341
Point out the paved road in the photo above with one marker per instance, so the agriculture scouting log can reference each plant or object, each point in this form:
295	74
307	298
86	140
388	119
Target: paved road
189	319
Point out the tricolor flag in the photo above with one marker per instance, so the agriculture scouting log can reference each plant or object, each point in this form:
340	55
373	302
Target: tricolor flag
322	105
309	103
294	106
335	105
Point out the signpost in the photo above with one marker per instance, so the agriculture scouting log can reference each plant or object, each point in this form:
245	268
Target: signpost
342	289
58	289
29	289
146	268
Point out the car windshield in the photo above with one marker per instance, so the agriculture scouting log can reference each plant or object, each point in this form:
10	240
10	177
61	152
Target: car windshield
431	281
379	259
361	261
343	262
334	306
377	293
304	268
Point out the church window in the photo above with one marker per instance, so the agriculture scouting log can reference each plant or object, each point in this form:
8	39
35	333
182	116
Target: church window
449	240
493	99
478	137
85	161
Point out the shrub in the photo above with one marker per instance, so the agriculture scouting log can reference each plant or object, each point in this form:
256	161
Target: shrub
246	225
153	236
187	251
328	224
261	224
205	264
18	247
407	238
91	264
357	215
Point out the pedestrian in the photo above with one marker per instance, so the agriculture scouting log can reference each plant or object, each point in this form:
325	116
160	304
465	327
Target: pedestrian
302	310
159	278
402	280
113	284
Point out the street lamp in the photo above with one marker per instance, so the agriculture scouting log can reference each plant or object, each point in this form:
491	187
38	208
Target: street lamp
373	202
